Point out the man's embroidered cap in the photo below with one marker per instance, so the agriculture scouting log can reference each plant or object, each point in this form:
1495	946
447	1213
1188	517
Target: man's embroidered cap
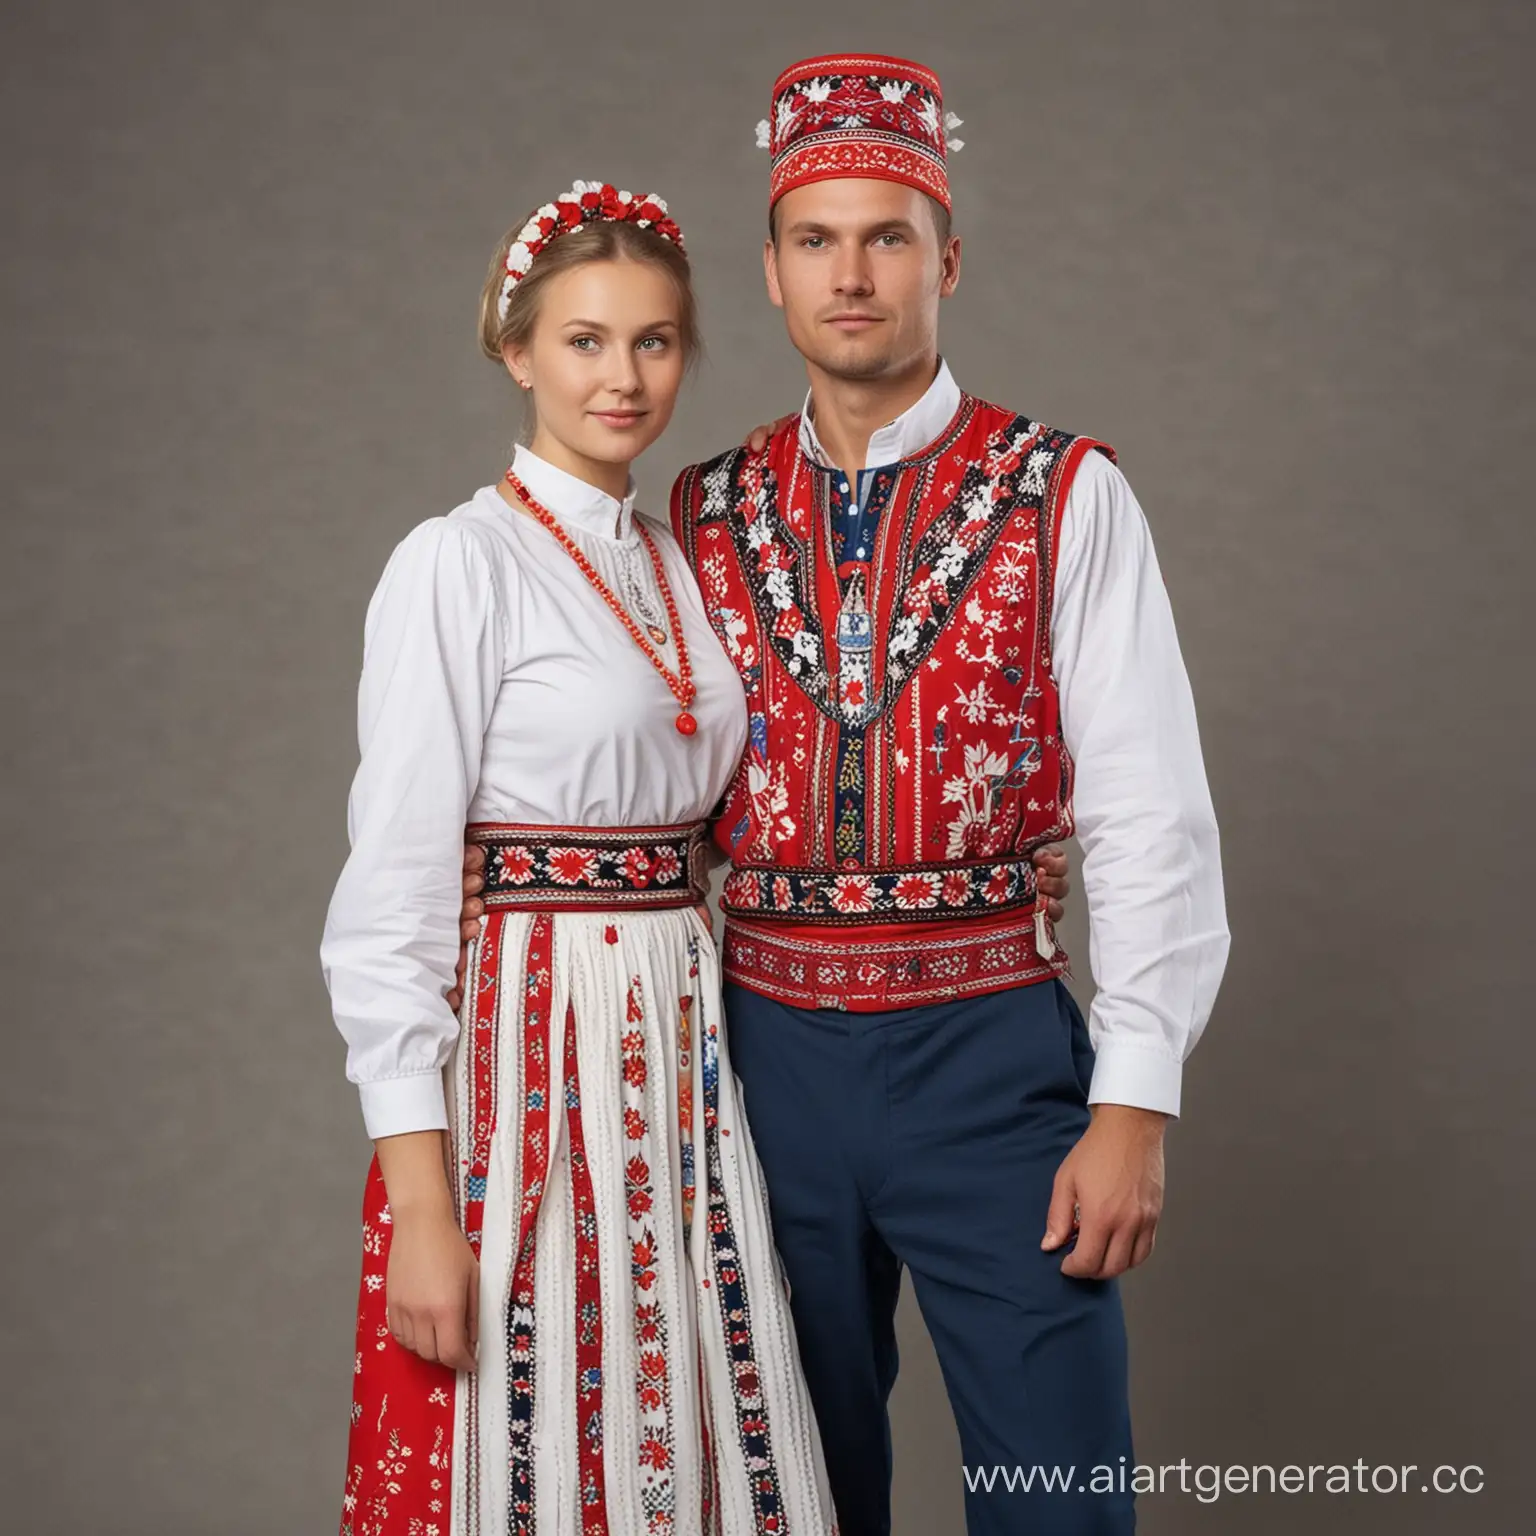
588	202
858	115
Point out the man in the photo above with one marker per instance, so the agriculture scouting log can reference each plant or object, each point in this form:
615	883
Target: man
956	648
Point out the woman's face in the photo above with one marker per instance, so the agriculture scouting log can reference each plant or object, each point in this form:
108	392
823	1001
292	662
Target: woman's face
605	360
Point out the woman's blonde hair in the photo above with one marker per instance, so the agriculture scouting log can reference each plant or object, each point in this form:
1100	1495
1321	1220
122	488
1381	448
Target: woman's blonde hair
605	240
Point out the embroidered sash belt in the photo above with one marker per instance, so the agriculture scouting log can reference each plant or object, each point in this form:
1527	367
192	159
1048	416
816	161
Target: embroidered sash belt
903	893
592	869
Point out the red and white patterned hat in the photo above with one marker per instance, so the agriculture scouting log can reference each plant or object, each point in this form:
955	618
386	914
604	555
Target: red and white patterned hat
858	115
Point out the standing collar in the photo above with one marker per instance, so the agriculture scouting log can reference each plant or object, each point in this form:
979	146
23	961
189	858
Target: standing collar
914	429
573	501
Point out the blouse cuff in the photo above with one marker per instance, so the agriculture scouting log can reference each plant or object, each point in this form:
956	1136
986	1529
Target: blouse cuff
1136	1075
393	1106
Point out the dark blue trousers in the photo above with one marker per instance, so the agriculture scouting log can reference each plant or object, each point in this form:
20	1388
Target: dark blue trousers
929	1137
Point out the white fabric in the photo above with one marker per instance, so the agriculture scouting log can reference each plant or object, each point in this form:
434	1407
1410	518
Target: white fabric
498	686
900	438
1151	854
631	1129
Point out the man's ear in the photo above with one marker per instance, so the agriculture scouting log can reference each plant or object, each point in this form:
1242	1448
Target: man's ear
771	273
951	267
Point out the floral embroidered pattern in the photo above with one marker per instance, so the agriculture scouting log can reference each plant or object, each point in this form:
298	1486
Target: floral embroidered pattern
878	895
859	116
400	1456
946	758
957	544
685	1112
741	490
885	973
419	1463
538	1000
754	1438
653	1387
484	986
828	102
592	1493
539	868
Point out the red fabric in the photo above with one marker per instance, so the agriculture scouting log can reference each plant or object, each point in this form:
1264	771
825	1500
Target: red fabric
534	1142
885	64
400	1446
589	1306
956	759
858	115
401	1441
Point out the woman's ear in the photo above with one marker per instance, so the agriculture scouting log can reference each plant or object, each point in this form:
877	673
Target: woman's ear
516	359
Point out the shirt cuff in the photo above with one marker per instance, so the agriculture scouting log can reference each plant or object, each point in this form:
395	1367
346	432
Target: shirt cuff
393	1106
1134	1075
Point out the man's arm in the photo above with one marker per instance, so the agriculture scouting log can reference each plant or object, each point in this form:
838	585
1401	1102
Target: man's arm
1151	853
1151	862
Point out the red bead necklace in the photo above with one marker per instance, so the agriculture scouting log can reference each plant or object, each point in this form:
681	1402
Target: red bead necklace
681	682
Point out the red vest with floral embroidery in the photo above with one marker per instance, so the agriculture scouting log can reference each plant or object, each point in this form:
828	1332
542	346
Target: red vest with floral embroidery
905	755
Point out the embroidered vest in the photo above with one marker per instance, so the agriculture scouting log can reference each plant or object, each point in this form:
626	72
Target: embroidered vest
904	753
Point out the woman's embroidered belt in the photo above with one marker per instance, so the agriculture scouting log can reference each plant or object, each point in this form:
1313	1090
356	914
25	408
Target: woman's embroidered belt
904	893
593	869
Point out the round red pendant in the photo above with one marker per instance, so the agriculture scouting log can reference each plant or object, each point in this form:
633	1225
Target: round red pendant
687	724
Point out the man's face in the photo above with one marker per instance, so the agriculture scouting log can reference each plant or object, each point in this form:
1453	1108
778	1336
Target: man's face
859	271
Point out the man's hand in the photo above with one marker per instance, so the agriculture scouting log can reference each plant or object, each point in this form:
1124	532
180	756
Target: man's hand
757	438
469	915
1051	876
1113	1178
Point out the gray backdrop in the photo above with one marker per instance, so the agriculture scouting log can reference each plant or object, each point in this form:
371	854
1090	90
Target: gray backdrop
1278	254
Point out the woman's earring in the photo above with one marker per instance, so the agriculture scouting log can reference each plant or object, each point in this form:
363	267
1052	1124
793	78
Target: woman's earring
526	383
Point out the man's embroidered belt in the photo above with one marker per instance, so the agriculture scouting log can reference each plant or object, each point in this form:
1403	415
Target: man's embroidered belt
870	939
912	893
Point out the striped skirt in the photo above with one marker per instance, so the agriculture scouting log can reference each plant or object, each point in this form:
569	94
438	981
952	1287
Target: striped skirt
637	1370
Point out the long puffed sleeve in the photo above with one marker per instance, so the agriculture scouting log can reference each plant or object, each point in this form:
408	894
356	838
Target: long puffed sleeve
1151	855
433	652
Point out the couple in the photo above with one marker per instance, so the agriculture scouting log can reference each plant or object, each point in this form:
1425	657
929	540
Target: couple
889	653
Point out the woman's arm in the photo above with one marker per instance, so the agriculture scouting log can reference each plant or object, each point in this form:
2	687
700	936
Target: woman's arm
432	663
434	649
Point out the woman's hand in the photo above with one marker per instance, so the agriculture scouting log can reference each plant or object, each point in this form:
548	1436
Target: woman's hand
432	1282
432	1288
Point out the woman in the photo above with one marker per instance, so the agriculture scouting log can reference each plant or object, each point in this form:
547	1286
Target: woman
538	666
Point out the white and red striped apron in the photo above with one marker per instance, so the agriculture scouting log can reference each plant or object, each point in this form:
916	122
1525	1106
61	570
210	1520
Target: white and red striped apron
637	1373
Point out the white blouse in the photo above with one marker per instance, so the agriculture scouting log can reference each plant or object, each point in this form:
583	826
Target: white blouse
497	685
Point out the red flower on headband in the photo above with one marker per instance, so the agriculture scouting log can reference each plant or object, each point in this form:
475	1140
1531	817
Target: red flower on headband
586	202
